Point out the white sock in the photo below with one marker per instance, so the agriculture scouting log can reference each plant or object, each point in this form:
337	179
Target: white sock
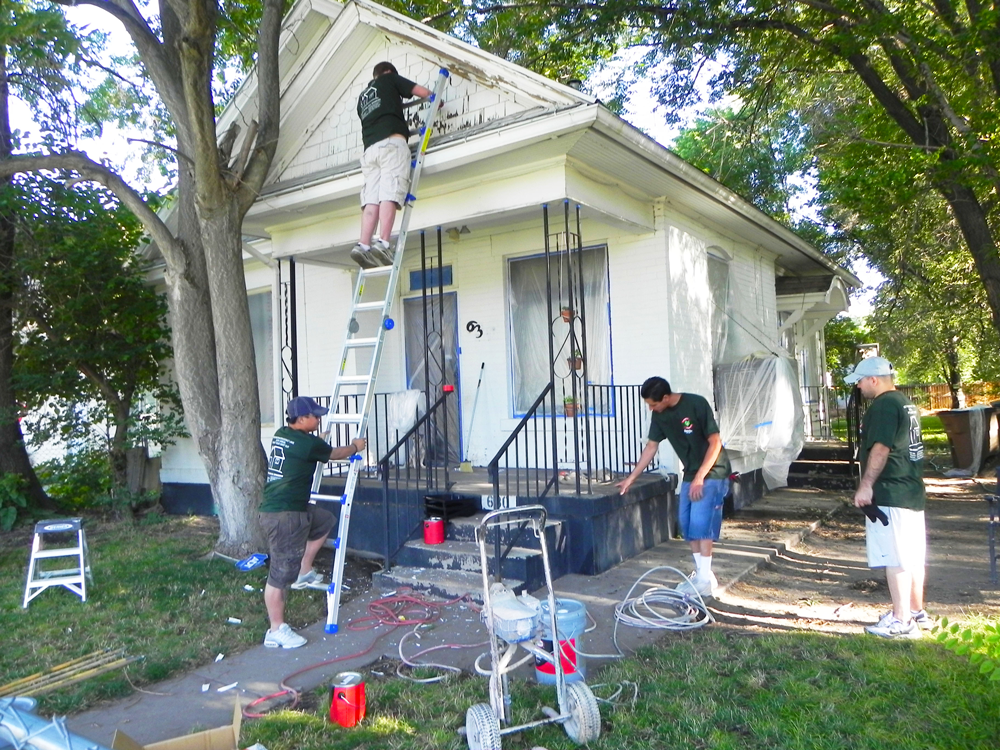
704	564
365	247
697	561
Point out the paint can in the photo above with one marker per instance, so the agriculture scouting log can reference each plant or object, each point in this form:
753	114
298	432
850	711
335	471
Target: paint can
571	622
433	530
347	699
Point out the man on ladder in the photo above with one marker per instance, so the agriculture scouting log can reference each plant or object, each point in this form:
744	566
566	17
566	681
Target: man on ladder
385	164
369	319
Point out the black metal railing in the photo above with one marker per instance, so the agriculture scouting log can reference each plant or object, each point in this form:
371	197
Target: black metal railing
825	412
416	464
381	433
532	457
574	449
857	405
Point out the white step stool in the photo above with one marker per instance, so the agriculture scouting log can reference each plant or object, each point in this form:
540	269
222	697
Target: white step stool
75	578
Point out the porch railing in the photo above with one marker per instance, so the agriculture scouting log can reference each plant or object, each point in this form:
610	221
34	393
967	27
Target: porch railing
545	451
380	434
415	465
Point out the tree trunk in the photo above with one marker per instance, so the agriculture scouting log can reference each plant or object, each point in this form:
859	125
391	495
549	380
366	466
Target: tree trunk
953	374
13	454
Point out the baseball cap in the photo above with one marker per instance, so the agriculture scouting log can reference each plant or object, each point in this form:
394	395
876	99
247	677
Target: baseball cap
870	367
303	406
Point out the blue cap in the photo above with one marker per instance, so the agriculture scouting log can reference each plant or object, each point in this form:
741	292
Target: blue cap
303	406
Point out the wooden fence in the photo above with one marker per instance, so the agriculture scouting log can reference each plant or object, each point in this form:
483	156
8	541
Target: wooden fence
933	396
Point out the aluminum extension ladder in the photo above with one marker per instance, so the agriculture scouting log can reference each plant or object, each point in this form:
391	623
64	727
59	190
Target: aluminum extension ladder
368	324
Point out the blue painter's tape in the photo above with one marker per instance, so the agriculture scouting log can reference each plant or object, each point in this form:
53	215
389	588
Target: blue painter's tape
331	628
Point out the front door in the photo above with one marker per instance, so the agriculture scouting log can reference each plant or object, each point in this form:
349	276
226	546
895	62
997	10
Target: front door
426	334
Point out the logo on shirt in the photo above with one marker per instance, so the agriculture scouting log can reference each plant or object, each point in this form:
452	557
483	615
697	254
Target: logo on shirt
368	102
687	425
275	463
916	439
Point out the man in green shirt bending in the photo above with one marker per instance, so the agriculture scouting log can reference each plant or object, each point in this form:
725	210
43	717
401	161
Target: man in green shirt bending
686	420
891	454
296	530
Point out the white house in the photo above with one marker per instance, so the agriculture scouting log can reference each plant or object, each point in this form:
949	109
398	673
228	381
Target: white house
681	273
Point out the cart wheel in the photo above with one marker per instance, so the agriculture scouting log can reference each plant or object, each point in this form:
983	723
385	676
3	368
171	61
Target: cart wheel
584	722
482	727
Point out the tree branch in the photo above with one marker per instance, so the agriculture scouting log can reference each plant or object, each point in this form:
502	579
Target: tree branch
268	106
83	165
165	147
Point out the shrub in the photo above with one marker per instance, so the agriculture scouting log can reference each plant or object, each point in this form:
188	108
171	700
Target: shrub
12	499
980	642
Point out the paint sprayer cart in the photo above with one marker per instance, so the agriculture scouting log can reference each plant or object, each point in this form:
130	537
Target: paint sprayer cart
512	624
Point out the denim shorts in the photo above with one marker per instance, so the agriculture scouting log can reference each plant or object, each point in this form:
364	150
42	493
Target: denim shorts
702	519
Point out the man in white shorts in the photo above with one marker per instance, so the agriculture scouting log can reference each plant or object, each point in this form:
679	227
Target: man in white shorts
385	164
891	493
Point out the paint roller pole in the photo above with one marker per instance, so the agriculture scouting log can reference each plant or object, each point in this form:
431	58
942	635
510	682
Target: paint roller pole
466	464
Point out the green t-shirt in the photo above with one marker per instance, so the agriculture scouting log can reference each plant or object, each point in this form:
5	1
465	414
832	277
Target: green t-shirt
687	427
290	466
895	423
380	108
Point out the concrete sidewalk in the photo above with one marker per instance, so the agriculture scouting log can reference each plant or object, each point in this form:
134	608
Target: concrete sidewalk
179	706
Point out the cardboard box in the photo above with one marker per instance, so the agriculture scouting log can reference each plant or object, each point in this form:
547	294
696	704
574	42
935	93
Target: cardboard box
221	738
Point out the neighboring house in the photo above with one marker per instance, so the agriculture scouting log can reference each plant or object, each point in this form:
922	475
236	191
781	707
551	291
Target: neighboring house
681	273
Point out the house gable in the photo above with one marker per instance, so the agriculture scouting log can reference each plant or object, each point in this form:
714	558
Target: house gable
320	130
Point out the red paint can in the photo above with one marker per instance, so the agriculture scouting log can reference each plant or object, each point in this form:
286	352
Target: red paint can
347	699
434	530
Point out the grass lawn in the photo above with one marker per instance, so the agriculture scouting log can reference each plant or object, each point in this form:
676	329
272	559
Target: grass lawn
718	688
721	687
154	596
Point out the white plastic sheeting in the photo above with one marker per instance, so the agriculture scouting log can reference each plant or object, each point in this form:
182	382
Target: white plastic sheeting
979	417
759	410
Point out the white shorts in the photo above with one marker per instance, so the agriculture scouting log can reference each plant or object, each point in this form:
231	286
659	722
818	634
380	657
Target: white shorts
901	544
385	167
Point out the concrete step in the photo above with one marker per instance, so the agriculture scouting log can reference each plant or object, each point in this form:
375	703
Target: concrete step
464	530
448	584
823	468
826	452
521	563
821	481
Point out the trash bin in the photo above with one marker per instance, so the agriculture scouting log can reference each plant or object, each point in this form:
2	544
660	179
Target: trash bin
968	433
448	505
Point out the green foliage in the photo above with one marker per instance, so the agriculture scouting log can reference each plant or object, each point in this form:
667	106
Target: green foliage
843	334
92	332
979	641
79	480
12	499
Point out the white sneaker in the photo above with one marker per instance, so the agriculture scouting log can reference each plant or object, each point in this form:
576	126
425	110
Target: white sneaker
362	257
283	637
924	621
893	628
310	580
693	584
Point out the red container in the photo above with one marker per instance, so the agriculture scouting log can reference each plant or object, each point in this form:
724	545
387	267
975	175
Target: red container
347	699
434	530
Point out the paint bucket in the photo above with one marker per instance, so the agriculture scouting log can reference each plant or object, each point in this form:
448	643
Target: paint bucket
571	622
433	530
347	699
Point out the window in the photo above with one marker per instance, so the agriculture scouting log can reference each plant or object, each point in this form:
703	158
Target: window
263	348
718	284
530	327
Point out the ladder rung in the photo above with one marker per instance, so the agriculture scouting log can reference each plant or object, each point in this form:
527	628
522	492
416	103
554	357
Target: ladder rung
61	552
343	418
379	305
353	379
377	271
358	343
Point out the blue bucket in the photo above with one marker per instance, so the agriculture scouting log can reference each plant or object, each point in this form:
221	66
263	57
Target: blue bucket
571	622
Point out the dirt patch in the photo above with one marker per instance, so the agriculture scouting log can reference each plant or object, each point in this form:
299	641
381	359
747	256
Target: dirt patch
825	584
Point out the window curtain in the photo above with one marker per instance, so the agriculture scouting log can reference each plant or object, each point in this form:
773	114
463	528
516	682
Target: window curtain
530	326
